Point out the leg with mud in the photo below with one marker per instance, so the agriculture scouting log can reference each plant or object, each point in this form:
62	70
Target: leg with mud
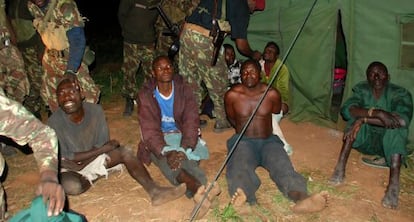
190	181
197	190
309	204
390	199
338	175
158	194
205	205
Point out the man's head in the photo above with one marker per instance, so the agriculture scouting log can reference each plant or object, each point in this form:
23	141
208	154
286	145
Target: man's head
162	69
250	73
377	75
69	96
229	54
271	52
40	3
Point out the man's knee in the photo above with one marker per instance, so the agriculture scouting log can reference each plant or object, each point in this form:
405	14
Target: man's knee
74	183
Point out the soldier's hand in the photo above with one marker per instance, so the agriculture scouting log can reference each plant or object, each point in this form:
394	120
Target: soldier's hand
256	55
70	74
52	192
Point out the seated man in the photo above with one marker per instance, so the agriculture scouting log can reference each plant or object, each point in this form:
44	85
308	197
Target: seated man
233	65
169	121
87	151
259	147
269	65
378	115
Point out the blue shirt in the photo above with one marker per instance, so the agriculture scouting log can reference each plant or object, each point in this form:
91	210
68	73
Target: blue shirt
167	111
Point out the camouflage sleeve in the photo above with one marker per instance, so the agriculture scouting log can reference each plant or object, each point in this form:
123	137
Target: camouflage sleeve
18	124
71	15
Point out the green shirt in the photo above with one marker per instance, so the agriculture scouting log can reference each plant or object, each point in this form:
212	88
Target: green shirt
281	82
394	99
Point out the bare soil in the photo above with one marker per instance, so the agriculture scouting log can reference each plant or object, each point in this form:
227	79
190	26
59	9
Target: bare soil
120	198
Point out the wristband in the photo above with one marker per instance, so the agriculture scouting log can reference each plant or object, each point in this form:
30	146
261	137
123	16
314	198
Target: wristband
371	111
365	119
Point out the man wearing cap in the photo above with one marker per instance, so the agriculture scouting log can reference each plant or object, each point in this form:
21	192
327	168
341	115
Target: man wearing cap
196	48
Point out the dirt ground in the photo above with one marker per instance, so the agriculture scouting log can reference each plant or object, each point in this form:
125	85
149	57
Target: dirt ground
120	198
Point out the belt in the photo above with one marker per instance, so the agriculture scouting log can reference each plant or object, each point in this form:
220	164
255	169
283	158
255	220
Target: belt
197	28
57	53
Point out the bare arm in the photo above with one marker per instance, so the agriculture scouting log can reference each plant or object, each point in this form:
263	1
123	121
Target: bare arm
228	104
81	159
244	48
378	117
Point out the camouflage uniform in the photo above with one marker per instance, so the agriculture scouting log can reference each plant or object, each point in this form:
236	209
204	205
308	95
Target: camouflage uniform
135	56
199	60
137	24
18	124
55	59
13	78
176	11
31	48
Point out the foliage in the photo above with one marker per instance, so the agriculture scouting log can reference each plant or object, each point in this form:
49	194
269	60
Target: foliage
227	214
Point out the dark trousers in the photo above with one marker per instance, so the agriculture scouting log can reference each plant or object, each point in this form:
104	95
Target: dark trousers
267	153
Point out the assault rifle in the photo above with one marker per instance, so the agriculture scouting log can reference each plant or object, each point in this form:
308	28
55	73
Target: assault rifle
218	38
174	30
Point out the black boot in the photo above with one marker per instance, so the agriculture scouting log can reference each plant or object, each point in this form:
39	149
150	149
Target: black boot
129	106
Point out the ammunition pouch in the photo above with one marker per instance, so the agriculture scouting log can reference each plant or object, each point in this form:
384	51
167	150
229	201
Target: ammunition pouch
88	56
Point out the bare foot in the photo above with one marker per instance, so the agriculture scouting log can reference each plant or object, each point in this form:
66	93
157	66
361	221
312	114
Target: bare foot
390	199
214	192
337	177
239	202
239	198
161	195
205	206
314	203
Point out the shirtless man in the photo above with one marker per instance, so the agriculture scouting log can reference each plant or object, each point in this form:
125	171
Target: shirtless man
259	147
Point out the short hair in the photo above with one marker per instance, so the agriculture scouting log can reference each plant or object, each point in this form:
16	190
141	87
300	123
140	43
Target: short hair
228	46
69	80
376	64
158	58
273	44
251	61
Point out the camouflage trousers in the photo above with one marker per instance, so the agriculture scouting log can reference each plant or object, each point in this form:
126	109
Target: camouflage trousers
34	70
13	77
136	56
54	68
195	55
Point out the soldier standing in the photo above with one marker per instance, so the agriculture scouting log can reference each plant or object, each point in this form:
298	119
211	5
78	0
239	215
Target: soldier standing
176	11
61	28
13	78
31	47
137	19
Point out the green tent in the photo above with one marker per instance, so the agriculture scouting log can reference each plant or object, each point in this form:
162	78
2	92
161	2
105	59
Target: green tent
373	30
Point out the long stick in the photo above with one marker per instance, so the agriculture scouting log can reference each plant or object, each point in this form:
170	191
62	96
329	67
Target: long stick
198	206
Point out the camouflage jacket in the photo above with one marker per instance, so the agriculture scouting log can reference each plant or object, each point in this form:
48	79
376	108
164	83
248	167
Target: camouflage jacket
18	124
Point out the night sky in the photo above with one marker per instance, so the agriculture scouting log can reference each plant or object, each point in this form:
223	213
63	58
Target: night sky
102	16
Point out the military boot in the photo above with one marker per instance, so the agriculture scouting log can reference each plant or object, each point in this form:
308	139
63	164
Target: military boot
129	106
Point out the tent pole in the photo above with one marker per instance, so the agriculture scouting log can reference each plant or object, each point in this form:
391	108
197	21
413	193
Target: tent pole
210	186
